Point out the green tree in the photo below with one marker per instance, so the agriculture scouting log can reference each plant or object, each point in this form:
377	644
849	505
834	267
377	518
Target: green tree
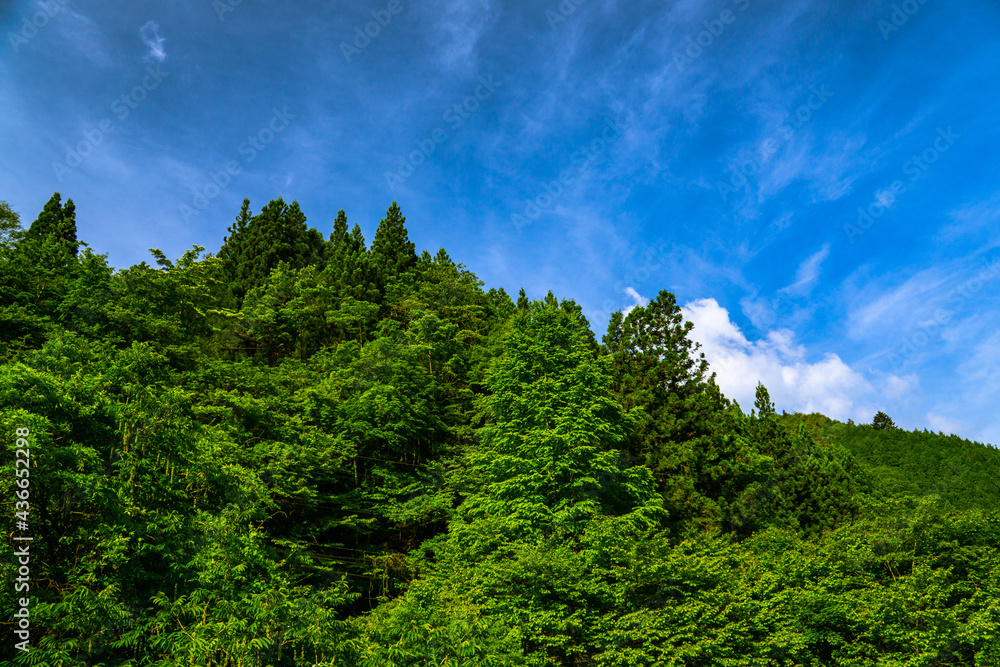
56	223
393	254
803	485
365	466
38	266
348	262
257	245
10	226
662	380
352	277
518	557
882	422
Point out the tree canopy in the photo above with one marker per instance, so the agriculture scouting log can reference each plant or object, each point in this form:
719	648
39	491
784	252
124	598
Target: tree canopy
302	450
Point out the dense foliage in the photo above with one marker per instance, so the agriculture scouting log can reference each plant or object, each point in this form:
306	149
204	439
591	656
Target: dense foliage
304	450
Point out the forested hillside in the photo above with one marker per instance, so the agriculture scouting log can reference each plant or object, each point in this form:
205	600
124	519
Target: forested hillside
964	474
305	448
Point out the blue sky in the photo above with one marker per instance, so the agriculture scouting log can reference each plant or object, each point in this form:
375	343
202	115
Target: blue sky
813	180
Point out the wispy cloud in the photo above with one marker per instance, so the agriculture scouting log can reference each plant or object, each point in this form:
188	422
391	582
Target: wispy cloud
86	37
948	303
973	220
460	25
787	305
879	308
808	273
150	34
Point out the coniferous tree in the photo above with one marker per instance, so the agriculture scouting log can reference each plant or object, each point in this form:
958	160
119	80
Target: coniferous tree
41	264
501	303
522	300
349	264
353	280
257	245
56	223
392	252
678	409
882	422
442	257
801	485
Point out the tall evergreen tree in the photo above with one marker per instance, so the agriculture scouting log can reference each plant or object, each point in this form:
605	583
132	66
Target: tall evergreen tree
339	235
56	223
797	484
257	245
392	251
349	264
658	376
522	300
353	282
882	422
39	265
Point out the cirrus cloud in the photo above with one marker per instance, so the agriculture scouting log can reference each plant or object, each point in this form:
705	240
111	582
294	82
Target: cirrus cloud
150	34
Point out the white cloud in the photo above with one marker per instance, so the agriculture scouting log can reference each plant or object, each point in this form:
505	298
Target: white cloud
808	273
946	425
972	220
460	25
639	300
784	222
882	309
150	34
828	386
86	37
900	387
